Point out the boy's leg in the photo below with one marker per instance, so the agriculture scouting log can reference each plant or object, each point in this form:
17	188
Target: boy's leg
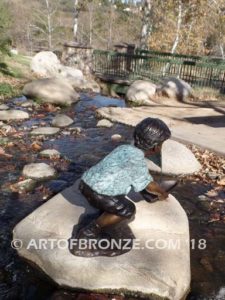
116	209
107	219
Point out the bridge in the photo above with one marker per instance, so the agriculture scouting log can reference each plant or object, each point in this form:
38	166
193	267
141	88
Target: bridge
123	68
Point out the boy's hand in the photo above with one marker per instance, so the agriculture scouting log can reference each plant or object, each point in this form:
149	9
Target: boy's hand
163	196
155	189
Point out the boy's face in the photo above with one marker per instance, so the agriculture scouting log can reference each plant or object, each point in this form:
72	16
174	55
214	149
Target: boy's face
155	150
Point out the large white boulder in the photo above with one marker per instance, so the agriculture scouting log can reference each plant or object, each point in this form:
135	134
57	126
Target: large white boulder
45	64
177	159
175	89
51	90
141	92
159	268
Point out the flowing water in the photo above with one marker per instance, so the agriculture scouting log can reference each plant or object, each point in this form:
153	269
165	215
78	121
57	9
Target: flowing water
19	280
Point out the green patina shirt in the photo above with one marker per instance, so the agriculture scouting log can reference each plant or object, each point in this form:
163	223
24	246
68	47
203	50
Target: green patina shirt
120	171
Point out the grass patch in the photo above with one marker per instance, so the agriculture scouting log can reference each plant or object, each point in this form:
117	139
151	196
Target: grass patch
8	91
207	94
14	73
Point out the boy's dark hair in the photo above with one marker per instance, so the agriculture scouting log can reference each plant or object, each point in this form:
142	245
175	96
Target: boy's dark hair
150	132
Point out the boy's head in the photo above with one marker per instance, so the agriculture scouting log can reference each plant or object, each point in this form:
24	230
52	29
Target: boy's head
149	135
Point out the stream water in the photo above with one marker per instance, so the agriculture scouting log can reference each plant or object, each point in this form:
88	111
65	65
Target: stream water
19	280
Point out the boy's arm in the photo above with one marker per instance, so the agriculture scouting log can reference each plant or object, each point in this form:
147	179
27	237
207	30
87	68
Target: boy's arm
154	188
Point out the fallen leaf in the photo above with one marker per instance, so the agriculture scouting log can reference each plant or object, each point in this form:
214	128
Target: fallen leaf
36	146
221	181
2	152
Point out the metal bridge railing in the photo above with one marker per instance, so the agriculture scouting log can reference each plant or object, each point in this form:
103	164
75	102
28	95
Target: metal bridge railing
114	65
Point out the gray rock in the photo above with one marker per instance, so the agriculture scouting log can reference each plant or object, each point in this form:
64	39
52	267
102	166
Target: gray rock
212	175
71	73
50	153
104	123
174	88
177	159
28	103
4	107
66	132
45	131
51	90
141	92
84	85
46	64
39	171
76	130
61	121
26	185
13	114
160	268
203	198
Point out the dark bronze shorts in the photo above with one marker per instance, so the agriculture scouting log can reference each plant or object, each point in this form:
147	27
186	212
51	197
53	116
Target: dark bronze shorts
117	205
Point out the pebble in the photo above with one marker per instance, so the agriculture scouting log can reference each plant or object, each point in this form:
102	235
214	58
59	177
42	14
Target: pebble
203	198
212	175
45	131
104	123
28	103
66	133
116	137
50	153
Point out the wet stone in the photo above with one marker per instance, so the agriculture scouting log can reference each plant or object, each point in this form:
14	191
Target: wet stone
4	107
13	114
61	121
203	198
104	123
50	153
76	130
28	103
45	131
26	185
39	171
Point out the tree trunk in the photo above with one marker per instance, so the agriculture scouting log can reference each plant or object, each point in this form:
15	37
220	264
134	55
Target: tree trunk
90	10
49	23
179	22
75	25
110	27
146	24
222	51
